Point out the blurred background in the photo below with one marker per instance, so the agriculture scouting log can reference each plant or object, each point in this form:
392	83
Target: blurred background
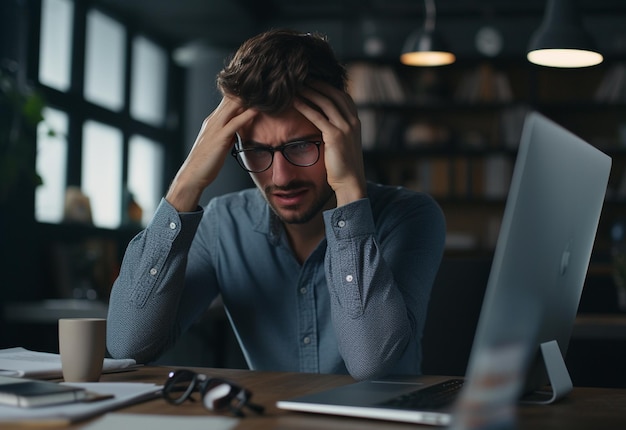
102	100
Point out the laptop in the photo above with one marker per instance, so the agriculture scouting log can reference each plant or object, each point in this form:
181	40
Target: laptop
535	283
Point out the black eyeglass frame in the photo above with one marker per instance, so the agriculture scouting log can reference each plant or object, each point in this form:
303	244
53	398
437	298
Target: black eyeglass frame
239	149
235	400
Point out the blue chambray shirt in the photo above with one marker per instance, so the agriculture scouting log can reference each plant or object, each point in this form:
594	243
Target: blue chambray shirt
357	305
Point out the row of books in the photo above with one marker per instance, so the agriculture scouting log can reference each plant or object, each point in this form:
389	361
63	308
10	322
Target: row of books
391	130
379	83
484	84
487	178
374	83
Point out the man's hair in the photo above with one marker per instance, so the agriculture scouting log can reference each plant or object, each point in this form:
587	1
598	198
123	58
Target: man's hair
268	70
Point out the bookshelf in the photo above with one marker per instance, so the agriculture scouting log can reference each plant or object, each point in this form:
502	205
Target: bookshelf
453	132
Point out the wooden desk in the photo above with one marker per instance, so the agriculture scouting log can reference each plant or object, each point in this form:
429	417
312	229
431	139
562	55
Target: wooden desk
585	408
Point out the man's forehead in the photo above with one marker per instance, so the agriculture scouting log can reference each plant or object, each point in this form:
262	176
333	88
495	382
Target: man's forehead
277	129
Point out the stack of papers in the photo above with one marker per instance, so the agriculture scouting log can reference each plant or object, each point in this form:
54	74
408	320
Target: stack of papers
22	362
123	393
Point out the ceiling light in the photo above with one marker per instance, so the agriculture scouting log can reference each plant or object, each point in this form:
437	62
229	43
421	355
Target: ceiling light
426	47
561	40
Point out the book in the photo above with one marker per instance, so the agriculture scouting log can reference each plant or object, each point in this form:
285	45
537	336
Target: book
498	172
28	393
109	396
372	83
21	362
484	85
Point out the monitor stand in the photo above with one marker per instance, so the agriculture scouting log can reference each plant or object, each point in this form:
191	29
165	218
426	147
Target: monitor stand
558	376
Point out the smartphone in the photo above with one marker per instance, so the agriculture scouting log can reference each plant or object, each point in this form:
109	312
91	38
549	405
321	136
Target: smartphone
29	393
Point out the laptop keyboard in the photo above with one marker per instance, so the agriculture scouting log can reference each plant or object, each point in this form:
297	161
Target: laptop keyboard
432	397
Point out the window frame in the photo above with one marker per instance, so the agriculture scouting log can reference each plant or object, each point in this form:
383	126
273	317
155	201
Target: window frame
80	110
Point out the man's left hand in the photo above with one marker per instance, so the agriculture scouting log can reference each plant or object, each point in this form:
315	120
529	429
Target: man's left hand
334	113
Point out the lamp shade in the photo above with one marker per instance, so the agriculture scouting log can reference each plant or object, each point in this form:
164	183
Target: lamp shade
561	40
426	48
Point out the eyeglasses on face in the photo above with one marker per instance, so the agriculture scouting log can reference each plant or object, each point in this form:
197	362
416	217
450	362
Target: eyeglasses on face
257	159
217	394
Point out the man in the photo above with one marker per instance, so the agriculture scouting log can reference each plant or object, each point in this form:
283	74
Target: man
319	270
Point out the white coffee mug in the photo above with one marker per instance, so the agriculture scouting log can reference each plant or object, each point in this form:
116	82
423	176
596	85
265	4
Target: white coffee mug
82	344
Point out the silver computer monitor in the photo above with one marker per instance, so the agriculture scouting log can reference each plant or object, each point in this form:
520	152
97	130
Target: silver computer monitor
535	283
543	253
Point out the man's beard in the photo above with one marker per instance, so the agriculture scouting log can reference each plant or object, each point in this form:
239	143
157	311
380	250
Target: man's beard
316	207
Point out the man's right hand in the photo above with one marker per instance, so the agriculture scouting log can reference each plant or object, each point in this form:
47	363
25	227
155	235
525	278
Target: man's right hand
206	158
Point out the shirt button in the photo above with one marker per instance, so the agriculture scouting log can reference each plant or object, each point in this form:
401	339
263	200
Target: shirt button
306	340
349	278
341	223
153	271
303	290
172	225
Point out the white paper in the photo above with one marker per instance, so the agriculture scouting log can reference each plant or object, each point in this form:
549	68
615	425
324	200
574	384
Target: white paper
43	365
161	422
125	393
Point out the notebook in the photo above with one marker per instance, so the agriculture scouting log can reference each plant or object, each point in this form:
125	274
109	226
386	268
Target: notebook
535	283
27	393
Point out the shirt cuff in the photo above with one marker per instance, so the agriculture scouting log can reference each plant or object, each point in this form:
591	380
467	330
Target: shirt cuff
351	220
168	223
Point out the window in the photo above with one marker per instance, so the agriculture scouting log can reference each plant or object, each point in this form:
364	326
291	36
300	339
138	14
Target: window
144	183
147	101
106	86
102	172
104	61
56	43
51	166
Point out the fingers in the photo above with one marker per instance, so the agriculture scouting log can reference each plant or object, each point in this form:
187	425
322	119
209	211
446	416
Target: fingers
227	118
325	106
334	113
341	99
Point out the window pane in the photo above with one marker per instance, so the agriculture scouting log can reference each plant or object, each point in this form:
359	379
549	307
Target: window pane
102	172
145	174
104	61
56	43
51	166
149	75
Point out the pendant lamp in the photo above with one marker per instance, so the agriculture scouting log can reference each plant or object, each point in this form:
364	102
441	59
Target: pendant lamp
425	47
561	40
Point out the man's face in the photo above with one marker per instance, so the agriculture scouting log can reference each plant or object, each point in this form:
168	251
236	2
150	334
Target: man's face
296	194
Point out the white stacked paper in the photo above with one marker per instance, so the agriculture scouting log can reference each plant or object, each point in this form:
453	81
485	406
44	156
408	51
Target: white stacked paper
124	394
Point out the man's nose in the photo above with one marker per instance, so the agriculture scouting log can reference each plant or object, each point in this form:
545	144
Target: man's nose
282	170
